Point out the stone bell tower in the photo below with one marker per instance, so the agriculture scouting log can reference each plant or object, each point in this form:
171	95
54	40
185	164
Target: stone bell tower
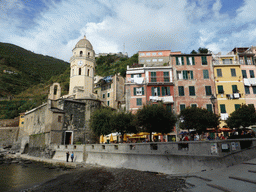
82	67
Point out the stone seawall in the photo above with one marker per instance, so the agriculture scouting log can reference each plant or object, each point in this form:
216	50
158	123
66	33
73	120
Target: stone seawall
8	135
171	158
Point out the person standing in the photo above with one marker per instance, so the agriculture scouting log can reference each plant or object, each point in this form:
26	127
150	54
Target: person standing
67	155
72	156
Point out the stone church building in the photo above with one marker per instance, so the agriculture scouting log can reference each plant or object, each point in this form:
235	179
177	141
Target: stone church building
65	119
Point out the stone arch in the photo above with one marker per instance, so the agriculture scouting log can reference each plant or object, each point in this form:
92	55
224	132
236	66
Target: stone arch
55	91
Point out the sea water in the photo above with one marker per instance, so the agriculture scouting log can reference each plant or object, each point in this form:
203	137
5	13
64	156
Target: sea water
17	177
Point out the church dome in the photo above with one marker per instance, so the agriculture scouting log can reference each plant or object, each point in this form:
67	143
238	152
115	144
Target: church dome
84	43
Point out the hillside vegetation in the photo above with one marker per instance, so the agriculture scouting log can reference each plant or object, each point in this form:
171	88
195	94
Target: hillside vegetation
21	69
30	87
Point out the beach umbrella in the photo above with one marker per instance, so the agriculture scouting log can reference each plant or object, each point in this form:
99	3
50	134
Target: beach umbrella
102	139
111	138
125	137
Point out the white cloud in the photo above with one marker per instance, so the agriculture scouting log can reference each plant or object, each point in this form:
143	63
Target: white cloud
179	25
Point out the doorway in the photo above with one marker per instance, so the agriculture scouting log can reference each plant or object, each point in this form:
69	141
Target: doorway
68	138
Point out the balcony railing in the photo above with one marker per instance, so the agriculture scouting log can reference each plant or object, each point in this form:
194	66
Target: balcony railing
164	99
225	62
151	80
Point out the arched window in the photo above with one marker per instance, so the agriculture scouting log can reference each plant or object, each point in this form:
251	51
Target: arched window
79	71
81	53
88	54
55	90
88	72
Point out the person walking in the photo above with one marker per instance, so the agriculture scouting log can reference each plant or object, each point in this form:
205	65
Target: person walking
67	155
72	156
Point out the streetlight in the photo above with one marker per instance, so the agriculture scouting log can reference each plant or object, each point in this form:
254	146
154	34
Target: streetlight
213	100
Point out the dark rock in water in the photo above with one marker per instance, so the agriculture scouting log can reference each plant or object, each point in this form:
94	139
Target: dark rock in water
27	162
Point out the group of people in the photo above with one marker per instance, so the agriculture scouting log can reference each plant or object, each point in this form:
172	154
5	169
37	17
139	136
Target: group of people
201	137
72	156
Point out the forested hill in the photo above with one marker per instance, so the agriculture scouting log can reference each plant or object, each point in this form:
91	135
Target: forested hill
21	69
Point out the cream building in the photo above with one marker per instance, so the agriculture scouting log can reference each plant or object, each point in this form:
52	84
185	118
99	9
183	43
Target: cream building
82	67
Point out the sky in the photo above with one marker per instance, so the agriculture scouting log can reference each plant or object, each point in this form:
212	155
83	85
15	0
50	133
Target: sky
53	27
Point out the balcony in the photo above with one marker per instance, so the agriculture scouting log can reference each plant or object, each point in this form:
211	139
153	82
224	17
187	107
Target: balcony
158	80
233	96
136	80
217	62
165	99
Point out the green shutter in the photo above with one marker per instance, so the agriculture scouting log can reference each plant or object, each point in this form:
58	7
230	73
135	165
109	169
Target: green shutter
163	91
237	106
182	106
222	108
134	91
254	89
245	59
177	61
204	60
158	91
208	90
168	91
220	89
185	74
247	90
191	90
193	60
234	88
152	91
181	90
191	75
187	60
142	90
244	74
206	74
209	107
182	60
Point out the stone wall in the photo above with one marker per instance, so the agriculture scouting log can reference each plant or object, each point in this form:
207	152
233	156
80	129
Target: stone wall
8	135
9	122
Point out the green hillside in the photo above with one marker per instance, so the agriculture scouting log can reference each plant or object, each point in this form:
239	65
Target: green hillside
21	69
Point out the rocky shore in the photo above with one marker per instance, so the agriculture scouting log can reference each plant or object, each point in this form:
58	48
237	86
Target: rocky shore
96	178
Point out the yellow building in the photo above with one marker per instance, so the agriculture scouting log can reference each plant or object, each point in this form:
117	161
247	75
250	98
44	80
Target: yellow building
229	85
21	120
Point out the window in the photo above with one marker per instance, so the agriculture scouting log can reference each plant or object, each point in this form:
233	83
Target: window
193	105
244	74
234	89
241	60
154	60
208	90
108	94
247	89
148	54
55	90
179	75
166	91
192	91
160	53
81	53
132	76
179	61
220	89
142	60
181	91
59	119
155	91
160	60
182	106
139	101
249	61
222	108
209	107
88	72
252	74
142	54
219	73
254	89
237	106
108	103
188	75
153	53
148	60
166	77
245	59
138	90
204	60
103	96
190	61
206	74
233	72
79	71
153	76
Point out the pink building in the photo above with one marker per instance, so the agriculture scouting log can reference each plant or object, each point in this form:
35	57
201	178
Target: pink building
194	81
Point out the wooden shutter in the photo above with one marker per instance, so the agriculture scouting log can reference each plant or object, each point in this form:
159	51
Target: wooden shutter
168	91
182	60
142	90
158	91
152	91
191	75
163	91
177	61
193	60
134	91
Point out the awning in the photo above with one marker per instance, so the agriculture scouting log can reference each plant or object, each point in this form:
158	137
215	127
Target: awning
247	82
